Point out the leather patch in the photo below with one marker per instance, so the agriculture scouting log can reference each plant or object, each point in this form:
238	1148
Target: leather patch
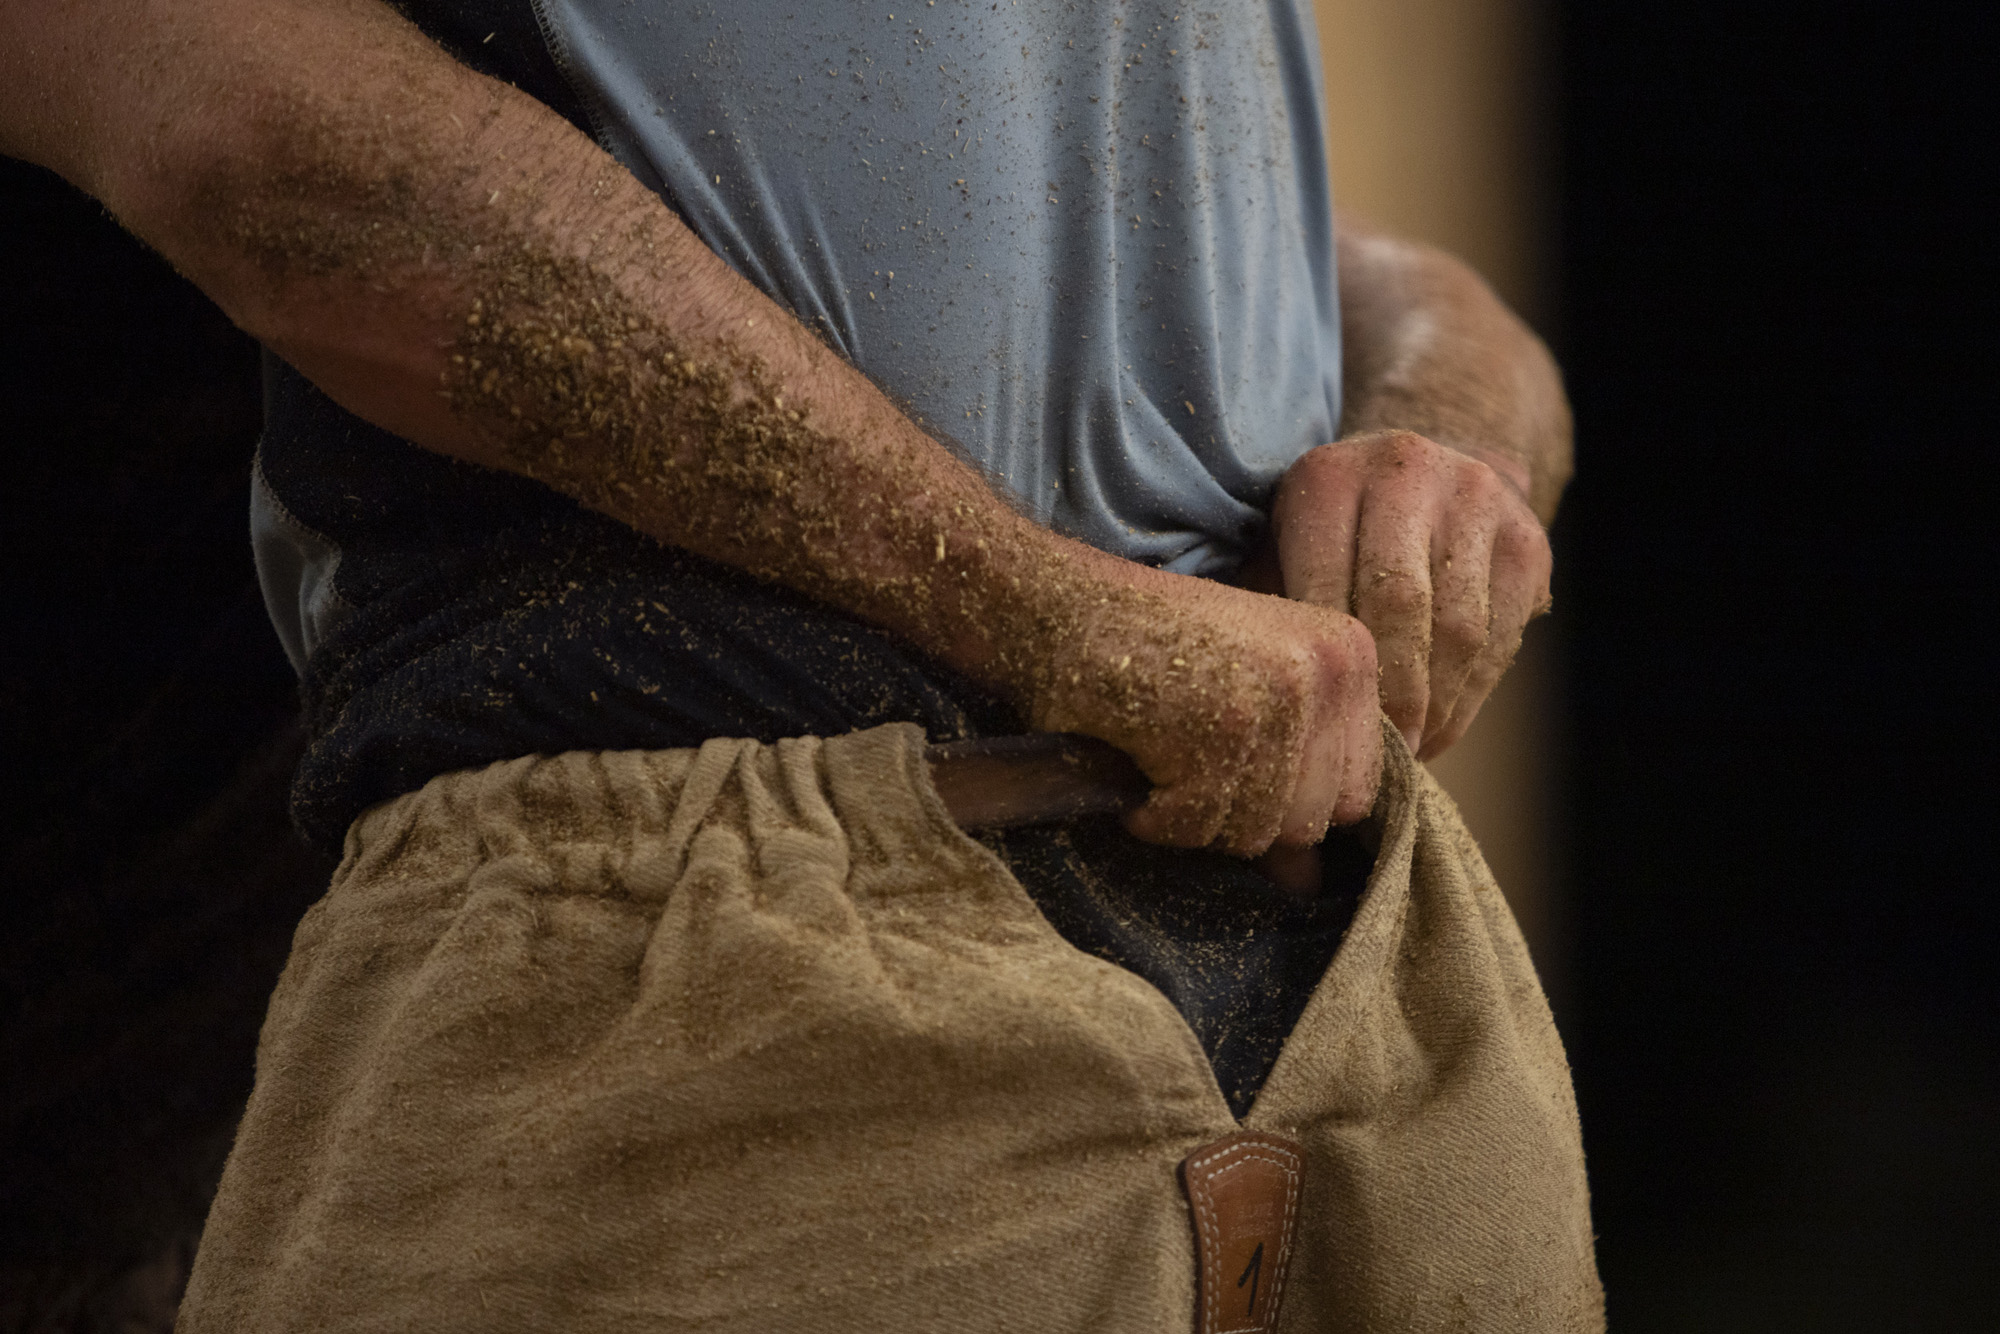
1243	1190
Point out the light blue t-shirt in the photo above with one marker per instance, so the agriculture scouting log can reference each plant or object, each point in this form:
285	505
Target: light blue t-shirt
1090	243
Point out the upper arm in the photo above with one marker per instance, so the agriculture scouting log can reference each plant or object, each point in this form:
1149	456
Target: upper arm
56	64
121	96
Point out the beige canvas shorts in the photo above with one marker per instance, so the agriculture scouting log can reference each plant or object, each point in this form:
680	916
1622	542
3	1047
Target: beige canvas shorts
753	1038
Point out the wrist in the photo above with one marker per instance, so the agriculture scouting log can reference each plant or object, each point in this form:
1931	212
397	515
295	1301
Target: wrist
1053	624
1089	642
1030	606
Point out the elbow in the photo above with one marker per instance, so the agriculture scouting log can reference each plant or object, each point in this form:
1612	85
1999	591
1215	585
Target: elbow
216	207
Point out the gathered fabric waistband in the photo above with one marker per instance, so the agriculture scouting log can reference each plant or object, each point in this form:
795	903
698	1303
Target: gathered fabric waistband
754	1038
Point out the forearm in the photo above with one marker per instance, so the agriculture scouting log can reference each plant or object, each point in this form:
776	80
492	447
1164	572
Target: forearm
1427	347
453	262
450	260
1428	517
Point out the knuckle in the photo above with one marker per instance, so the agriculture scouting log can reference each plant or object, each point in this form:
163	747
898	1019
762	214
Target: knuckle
1481	484
1177	818
1326	468
1322	459
1396	595
1250	834
1363	655
1320	588
1523	539
1400	445
1462	627
1239	714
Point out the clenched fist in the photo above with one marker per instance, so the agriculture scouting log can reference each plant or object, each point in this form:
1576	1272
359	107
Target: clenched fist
1435	550
1255	717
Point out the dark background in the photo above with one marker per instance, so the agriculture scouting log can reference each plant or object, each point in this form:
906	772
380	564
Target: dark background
149	880
1775	582
1776	286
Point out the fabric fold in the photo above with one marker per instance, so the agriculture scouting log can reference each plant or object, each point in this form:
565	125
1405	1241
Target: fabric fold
752	1038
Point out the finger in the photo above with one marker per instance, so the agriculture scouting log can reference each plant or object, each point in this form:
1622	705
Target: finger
1198	815
1486	674
1361	776
1461	614
1338	779
1519	592
1175	817
1294	870
1322	768
1315	516
1233	802
1392	597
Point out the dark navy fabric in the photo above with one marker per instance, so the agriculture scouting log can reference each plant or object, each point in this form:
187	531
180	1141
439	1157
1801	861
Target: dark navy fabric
1238	957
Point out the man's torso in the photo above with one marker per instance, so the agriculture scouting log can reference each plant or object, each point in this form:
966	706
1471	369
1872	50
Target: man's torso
1088	246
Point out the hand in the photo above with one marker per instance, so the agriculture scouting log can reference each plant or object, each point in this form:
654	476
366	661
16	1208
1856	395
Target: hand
1255	717
1438	554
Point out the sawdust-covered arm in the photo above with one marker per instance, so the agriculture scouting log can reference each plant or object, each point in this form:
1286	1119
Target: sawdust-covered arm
449	259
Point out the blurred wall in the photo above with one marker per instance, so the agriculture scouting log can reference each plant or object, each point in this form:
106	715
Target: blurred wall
1434	117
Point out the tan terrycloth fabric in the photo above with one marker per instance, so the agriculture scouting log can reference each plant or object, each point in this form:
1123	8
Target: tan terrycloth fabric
753	1039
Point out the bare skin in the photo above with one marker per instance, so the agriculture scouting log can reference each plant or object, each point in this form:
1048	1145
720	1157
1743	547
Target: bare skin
452	261
1425	519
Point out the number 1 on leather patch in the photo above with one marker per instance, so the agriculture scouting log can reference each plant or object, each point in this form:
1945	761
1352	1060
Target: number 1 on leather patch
1243	1190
